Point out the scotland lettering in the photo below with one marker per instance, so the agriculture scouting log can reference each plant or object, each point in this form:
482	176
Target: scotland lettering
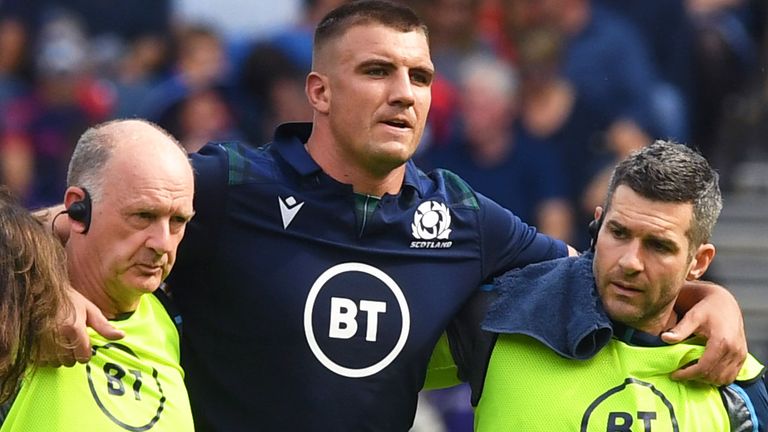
430	245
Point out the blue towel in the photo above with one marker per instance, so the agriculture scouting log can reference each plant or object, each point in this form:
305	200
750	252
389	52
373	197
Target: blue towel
555	302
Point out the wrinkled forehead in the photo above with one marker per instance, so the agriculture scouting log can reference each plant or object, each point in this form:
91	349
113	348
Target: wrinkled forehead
164	170
638	213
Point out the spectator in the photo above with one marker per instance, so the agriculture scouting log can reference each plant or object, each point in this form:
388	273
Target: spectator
39	127
201	63
501	161
273	86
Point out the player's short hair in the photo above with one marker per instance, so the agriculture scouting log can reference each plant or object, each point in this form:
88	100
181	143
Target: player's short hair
671	172
339	20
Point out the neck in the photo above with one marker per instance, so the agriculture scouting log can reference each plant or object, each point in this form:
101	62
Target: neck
86	280
362	179
657	325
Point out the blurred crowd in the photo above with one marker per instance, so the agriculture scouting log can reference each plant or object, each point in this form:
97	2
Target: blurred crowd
533	98
533	101
538	98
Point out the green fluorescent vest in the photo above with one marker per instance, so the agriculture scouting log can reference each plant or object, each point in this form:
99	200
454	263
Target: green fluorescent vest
134	384
623	388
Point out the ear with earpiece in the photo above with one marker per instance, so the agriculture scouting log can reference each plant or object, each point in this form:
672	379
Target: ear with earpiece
594	227
80	209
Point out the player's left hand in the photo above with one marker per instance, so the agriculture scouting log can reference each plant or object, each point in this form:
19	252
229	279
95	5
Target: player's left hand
717	317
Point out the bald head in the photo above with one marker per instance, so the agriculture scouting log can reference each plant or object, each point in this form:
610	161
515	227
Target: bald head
142	187
141	140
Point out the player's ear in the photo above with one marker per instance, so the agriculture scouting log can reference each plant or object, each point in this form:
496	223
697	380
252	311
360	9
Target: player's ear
318	92
77	202
700	261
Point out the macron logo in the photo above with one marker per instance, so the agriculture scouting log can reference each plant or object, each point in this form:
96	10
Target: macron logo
288	209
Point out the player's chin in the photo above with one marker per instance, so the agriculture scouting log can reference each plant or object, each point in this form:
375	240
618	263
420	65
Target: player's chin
396	152
621	311
145	284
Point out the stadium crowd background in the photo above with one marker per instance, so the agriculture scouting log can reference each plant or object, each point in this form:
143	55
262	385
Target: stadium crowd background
534	99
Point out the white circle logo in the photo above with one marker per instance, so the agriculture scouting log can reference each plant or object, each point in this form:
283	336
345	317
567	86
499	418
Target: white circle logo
400	298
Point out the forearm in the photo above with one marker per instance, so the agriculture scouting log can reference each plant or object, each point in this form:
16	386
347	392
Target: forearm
695	291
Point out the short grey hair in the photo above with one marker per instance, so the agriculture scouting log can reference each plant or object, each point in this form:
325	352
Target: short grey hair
94	149
498	74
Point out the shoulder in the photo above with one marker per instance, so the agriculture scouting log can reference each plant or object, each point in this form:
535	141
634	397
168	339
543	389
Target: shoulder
746	404
236	161
746	400
455	190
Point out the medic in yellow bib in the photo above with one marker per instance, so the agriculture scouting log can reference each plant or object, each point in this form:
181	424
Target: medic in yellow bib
129	199
661	206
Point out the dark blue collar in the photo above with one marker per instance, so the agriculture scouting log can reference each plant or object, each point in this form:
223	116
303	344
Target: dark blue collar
289	140
632	336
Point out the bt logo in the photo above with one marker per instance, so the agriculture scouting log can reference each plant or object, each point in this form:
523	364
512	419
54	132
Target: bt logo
654	411
619	421
356	320
126	390
343	313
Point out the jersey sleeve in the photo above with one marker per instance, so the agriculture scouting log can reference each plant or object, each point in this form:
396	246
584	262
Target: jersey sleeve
508	242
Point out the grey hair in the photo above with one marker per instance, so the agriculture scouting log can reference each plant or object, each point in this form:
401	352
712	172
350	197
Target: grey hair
94	149
498	74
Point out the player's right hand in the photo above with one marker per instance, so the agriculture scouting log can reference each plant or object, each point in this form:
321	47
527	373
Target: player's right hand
70	342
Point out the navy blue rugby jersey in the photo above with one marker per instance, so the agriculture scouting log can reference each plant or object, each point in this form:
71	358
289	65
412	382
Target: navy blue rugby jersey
298	319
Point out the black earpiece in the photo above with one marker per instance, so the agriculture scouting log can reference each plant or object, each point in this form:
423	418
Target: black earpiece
594	230
81	211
